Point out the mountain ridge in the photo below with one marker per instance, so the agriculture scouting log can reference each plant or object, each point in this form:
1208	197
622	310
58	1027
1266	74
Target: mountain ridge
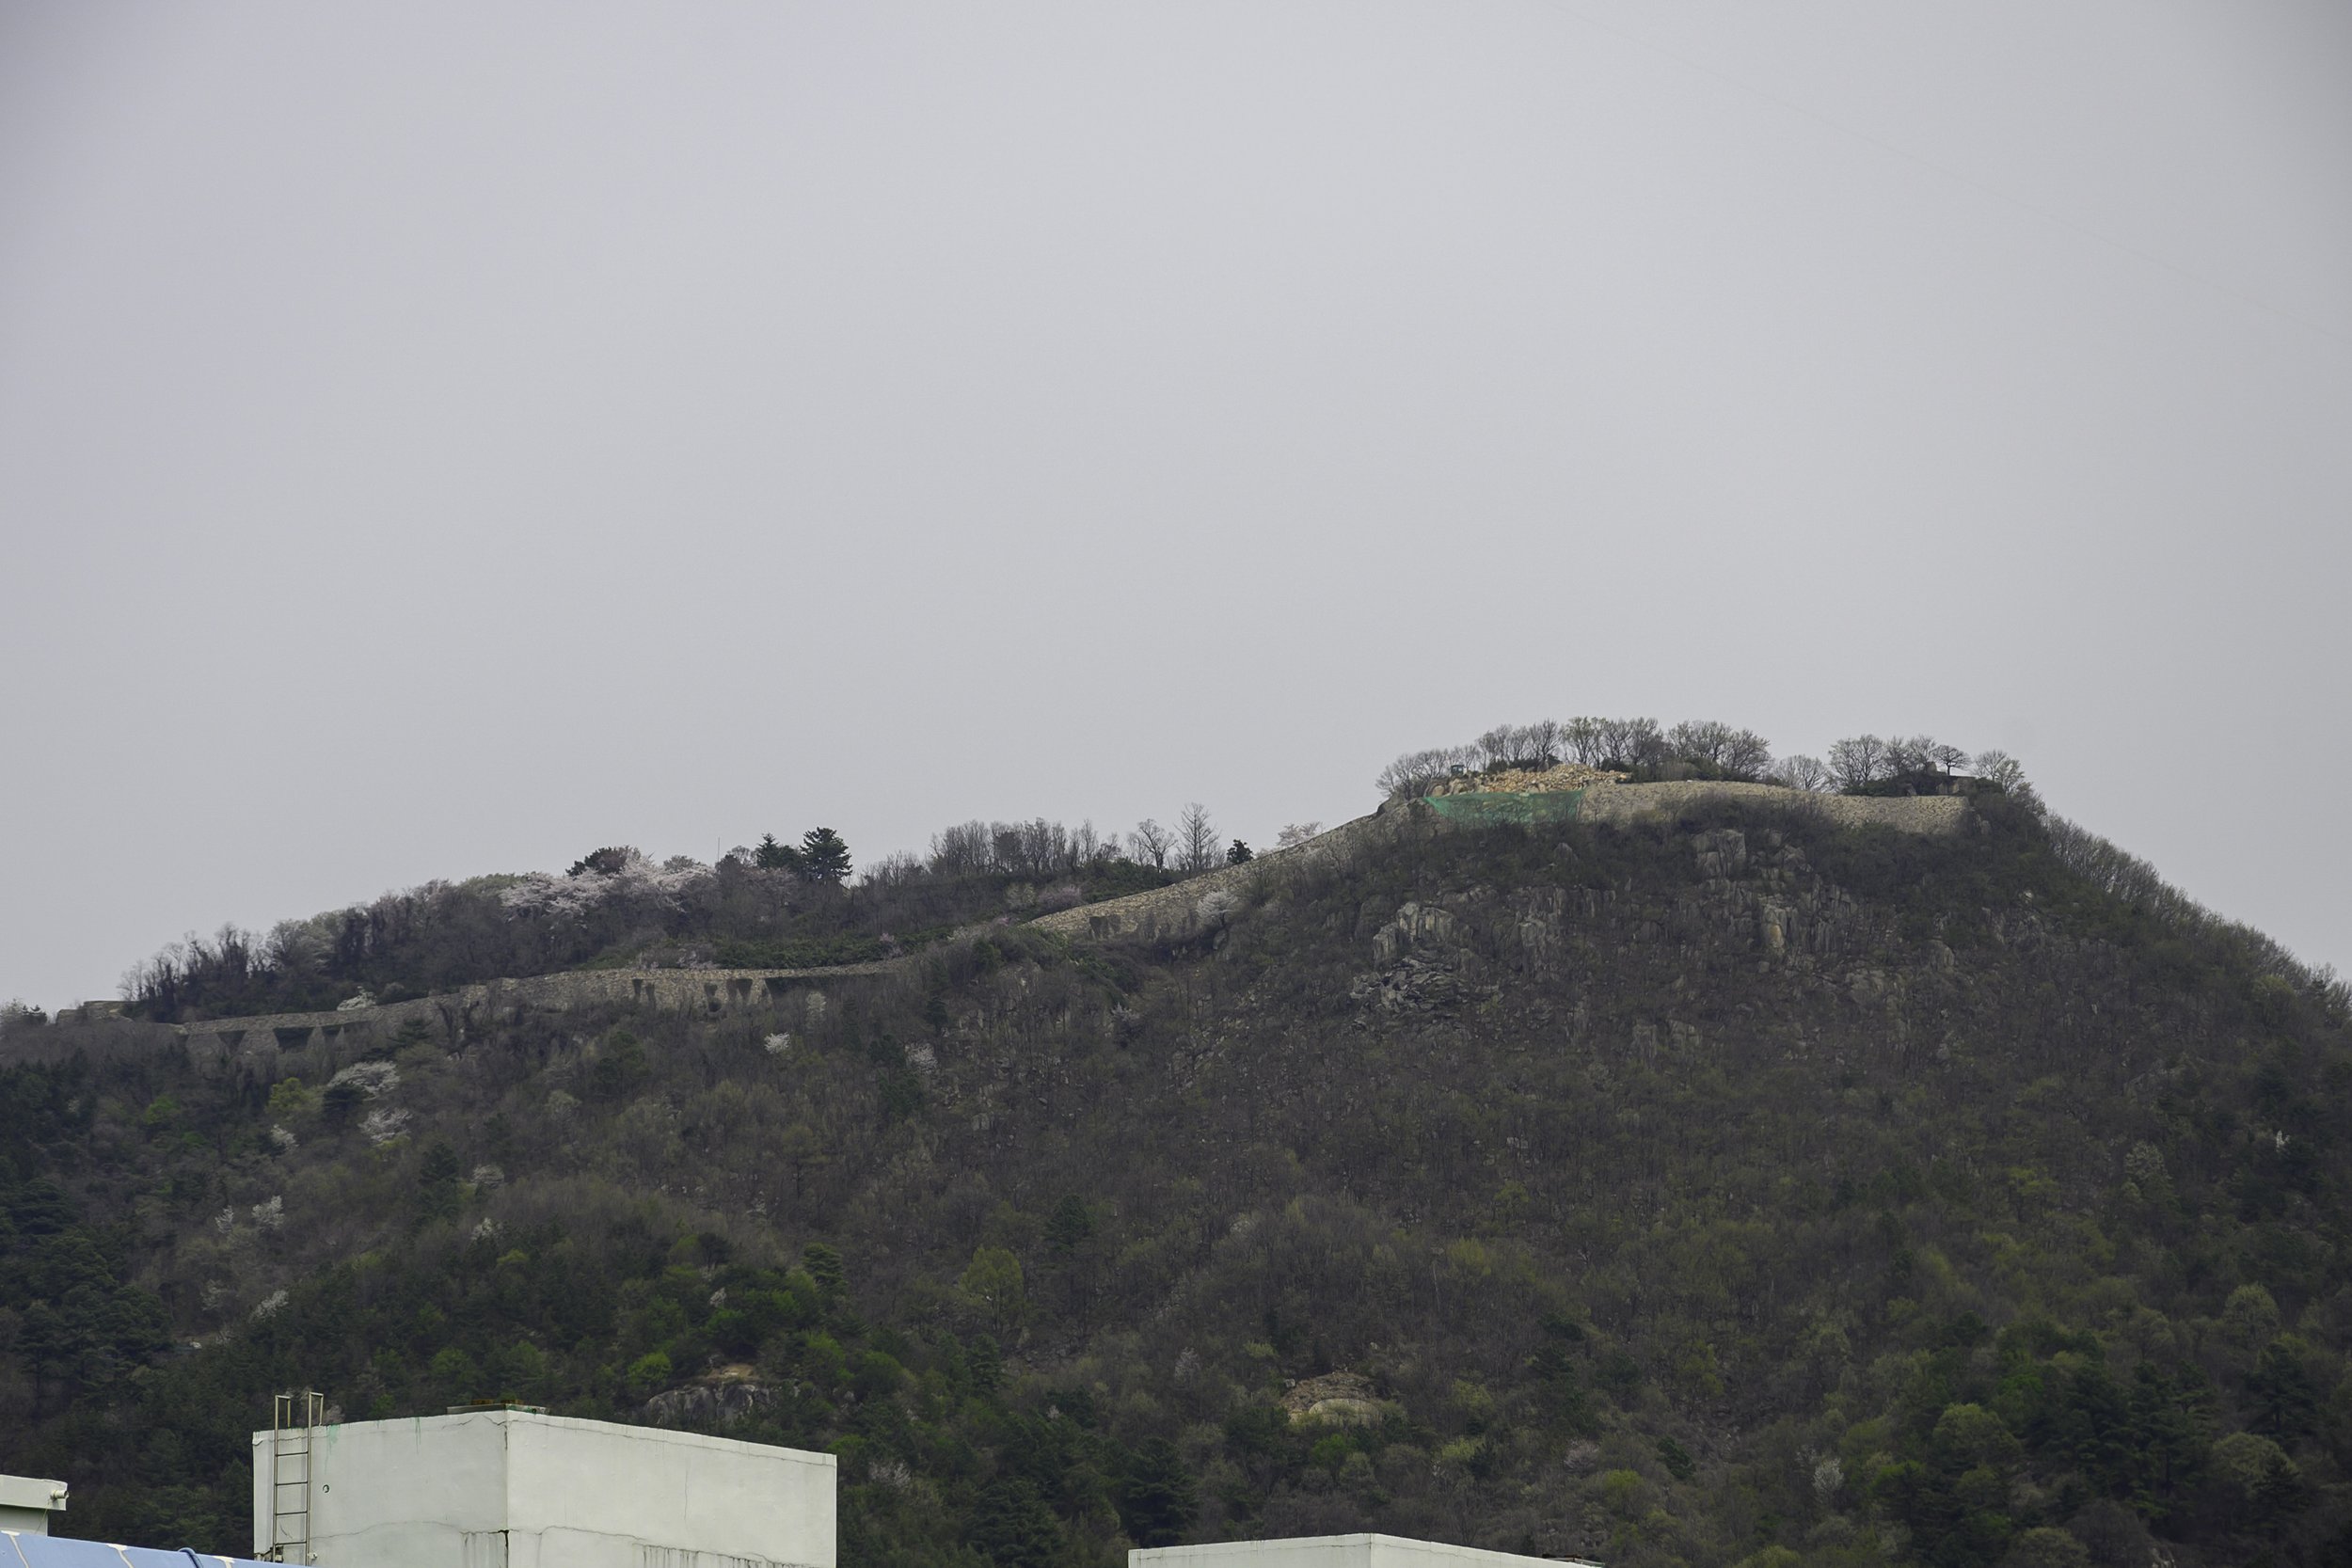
1687	1190
1619	803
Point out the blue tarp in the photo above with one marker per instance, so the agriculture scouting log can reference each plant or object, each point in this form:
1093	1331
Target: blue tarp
20	1550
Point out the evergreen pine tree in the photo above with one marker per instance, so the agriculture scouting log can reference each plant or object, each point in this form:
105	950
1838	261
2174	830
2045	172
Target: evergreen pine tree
1011	1526
1157	1501
824	858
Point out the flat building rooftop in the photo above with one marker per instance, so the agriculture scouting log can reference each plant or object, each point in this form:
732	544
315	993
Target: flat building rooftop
1338	1551
506	1488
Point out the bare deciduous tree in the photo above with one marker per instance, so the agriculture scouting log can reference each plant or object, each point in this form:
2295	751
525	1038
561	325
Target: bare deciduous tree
2006	773
1044	848
1150	843
1408	775
1908	753
1698	739
1416	773
899	869
1803	773
1740	752
1539	743
1198	846
1858	760
1004	846
1919	756
962	850
1631	742
1582	739
1296	833
1747	754
1037	847
1535	745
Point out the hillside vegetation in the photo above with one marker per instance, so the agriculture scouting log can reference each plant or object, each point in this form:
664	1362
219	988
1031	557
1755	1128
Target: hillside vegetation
773	906
1736	1189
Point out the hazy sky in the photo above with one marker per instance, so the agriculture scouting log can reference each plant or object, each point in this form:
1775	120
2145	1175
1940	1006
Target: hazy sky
438	439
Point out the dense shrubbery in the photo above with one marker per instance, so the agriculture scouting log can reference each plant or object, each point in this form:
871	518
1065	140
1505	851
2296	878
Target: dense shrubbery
2002	1220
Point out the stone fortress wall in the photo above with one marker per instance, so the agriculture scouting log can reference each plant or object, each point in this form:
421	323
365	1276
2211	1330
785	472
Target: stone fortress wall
1169	913
1173	912
1930	815
706	990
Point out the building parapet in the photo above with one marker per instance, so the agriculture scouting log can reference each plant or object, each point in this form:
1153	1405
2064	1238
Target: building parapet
28	1501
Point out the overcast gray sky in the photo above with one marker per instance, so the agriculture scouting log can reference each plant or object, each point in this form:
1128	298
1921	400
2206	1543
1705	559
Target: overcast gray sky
438	439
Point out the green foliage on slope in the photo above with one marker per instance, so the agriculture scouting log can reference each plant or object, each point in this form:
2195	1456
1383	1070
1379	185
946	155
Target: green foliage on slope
1739	1192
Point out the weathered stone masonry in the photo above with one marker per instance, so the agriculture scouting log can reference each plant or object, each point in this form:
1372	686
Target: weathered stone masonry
1175	912
1170	914
709	990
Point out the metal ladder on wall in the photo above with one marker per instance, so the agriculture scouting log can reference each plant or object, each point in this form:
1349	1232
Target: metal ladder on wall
294	1420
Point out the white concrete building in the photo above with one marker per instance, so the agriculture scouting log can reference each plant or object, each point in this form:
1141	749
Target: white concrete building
27	1504
1336	1551
502	1488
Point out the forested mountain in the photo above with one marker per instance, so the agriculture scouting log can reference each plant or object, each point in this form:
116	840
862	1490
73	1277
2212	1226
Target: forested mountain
1733	1189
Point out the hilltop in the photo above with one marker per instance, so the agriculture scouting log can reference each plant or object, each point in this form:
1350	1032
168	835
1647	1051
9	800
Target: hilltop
1722	1180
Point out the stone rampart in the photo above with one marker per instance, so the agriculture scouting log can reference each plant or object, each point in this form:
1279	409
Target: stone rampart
1170	912
1910	814
1174	912
705	990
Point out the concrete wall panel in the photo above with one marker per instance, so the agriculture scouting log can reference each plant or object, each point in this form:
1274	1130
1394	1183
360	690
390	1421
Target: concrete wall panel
516	1489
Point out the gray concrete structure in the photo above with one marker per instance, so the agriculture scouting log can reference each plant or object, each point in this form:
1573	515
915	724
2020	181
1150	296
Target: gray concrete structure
26	1502
504	1488
1336	1551
1177	911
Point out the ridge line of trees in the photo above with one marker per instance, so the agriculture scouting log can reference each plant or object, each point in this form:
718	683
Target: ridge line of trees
1645	752
1041	848
772	904
2118	872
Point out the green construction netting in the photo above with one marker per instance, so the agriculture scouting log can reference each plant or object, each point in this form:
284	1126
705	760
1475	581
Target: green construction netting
1551	806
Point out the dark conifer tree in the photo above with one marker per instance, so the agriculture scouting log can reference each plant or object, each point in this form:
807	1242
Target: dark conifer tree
824	858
